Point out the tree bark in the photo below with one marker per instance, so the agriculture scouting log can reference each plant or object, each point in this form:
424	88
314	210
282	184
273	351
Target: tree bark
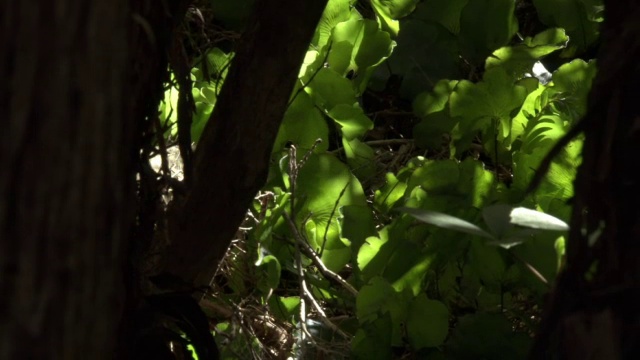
232	158
67	178
593	312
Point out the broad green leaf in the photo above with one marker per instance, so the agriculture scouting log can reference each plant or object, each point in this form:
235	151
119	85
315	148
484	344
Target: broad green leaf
329	89
436	100
486	25
414	61
407	266
445	12
519	59
372	341
427	323
326	184
270	269
357	224
573	81
286	308
378	297
446	221
436	176
395	9
579	18
359	45
389	193
360	158
368	252
530	108
475	182
428	133
489	264
302	125
478	105
352	120
334	13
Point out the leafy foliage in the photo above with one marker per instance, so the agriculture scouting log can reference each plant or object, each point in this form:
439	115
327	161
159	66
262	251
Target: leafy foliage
335	228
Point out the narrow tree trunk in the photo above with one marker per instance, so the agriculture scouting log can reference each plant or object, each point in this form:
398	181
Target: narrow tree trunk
594	311
66	183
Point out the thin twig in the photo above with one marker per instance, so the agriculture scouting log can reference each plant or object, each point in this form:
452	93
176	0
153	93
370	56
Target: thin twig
311	254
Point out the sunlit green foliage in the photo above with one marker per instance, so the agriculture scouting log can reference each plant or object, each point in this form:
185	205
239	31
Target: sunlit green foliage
473	261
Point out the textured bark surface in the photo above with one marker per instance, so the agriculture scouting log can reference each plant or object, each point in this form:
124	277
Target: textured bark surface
232	158
596	316
66	182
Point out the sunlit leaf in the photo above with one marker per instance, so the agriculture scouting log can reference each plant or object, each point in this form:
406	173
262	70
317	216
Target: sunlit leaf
446	221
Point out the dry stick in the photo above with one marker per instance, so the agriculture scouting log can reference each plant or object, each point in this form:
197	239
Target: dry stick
311	254
294	168
293	177
333	211
530	267
323	316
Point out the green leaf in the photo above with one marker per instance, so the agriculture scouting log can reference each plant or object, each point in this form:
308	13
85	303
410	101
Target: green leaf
427	323
389	193
302	125
487	336
373	340
269	269
579	18
489	264
360	158
436	176
494	98
573	81
327	185
334	13
486	25
519	59
413	58
359	45
446	221
329	89
378	297
367	262
445	12
285	307
352	120
357	224
436	100
395	9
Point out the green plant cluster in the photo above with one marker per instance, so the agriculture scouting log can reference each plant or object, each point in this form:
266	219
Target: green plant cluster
449	256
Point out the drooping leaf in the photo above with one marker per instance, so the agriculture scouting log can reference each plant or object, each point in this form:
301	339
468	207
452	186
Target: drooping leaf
446	221
536	220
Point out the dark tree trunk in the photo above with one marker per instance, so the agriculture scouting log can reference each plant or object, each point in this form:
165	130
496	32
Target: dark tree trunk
232	158
81	82
594	312
66	183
